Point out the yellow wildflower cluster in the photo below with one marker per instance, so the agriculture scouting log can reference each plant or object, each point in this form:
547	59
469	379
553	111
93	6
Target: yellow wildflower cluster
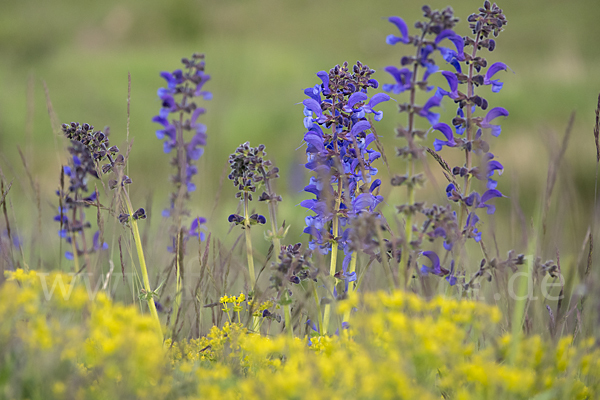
57	341
398	346
265	305
232	299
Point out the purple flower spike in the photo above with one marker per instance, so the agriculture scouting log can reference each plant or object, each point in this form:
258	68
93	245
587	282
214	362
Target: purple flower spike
447	131
399	22
491	115
180	113
496	84
457	40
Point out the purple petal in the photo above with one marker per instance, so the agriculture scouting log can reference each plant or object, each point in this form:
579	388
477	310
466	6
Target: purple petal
313	106
494	166
401	25
472	220
197	112
439	144
496	67
376	183
399	22
311	93
355	98
457	40
473	198
432	117
399	74
359	127
445	129
196	223
435	261
314	139
378	98
161	120
324	76
452	81
491	115
490	194
496	85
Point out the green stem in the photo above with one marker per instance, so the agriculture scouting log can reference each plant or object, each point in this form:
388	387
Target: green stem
178	278
333	264
318	303
287	308
408	238
249	244
140	251
287	312
520	308
255	321
352	287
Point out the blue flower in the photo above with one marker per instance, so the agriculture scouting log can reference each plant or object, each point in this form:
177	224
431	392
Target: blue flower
490	116
496	84
195	227
456	39
401	25
425	112
437	269
491	167
402	77
451	278
447	131
96	242
453	83
471	227
178	100
345	151
480	201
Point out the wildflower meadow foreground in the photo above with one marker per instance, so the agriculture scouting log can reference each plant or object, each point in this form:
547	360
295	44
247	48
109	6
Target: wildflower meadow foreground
387	295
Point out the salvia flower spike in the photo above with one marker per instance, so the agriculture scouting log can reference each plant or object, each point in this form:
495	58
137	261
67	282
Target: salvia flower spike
182	132
468	131
433	33
341	160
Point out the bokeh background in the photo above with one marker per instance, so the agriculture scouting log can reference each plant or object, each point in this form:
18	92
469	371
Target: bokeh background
261	54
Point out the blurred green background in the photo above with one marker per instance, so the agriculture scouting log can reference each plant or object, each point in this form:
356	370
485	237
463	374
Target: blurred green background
261	55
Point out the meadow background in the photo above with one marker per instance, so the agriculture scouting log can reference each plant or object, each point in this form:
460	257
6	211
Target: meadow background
261	55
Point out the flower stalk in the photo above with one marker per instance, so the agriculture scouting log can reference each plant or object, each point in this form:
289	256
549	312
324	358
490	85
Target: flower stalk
142	260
